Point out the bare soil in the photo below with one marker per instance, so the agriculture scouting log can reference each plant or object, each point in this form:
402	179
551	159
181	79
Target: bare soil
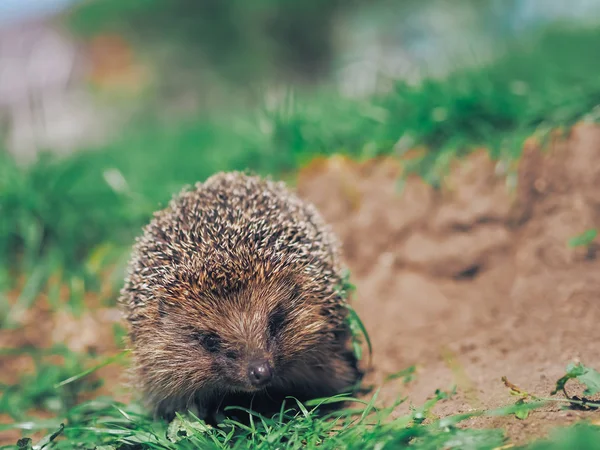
474	281
470	282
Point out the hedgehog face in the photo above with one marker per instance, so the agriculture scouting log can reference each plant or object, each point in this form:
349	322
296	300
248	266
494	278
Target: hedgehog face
247	339
239	362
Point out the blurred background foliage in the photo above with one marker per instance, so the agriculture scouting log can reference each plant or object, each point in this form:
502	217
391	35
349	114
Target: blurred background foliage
273	40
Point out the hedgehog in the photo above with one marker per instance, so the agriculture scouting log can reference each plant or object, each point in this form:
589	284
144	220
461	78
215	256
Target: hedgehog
232	297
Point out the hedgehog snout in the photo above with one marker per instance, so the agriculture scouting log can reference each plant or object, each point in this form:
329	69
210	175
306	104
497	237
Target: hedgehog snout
260	372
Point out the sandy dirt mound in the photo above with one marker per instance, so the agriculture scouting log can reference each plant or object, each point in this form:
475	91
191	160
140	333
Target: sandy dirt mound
475	270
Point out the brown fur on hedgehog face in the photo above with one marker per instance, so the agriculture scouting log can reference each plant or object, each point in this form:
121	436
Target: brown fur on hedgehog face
216	337
210	340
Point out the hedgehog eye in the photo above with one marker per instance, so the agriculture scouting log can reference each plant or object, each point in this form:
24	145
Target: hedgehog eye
211	342
276	320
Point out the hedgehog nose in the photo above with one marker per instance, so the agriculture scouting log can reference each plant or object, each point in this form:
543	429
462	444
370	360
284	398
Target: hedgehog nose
259	373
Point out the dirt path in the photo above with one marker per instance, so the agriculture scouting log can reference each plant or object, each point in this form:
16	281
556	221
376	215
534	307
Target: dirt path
475	270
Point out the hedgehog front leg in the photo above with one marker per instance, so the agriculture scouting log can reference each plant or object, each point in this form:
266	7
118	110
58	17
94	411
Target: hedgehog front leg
168	407
345	373
201	411
330	374
207	407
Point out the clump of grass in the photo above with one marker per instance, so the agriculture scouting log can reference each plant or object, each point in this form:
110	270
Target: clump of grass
585	375
582	435
360	336
118	426
104	423
38	390
584	239
53	214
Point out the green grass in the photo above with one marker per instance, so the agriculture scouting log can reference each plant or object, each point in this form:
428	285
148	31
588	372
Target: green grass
38	390
107	423
75	217
104	423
